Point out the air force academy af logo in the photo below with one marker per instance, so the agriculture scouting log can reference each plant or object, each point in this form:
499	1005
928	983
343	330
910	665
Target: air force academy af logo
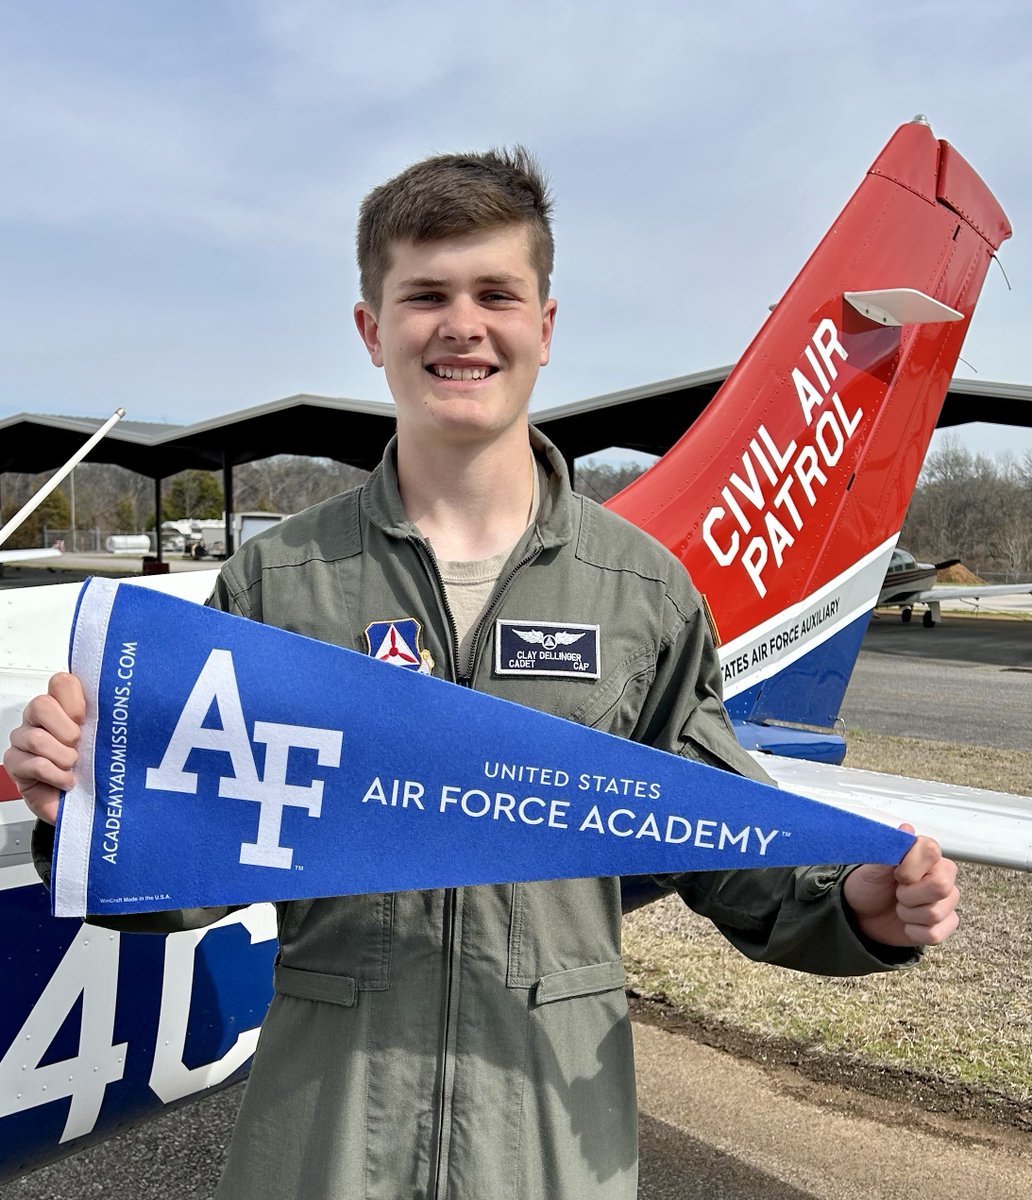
546	648
217	685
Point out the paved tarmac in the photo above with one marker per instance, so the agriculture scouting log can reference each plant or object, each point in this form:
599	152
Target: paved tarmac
712	1125
721	1128
967	680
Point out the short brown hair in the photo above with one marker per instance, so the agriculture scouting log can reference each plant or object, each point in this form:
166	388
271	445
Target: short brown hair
449	195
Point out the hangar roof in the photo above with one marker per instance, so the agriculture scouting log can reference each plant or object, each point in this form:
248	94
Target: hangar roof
649	418
35	442
351	431
981	400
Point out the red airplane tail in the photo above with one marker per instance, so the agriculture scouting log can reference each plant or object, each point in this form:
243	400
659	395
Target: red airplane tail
785	497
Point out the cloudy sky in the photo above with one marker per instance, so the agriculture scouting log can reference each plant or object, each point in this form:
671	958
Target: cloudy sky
181	177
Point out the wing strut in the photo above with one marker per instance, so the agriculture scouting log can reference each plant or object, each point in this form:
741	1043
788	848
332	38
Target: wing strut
28	508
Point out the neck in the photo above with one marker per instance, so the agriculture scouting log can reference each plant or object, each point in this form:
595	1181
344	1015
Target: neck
470	502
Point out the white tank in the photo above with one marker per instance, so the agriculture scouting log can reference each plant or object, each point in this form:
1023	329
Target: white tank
128	543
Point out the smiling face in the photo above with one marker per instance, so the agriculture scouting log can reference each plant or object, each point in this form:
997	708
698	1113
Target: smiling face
461	333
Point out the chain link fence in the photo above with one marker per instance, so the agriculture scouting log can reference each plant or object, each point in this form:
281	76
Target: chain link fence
101	541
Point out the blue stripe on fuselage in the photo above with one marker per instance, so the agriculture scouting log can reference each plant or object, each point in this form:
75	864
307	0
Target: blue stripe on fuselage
810	690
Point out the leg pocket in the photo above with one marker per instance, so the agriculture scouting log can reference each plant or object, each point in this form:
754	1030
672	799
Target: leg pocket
580	981
315	985
579	1126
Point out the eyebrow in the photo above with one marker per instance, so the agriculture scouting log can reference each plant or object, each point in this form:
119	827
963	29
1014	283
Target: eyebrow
426	281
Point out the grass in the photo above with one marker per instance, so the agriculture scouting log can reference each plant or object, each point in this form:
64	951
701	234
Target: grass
963	1015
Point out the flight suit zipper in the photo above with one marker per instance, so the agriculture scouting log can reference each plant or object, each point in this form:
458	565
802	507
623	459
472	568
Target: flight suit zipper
438	1165
474	646
444	1079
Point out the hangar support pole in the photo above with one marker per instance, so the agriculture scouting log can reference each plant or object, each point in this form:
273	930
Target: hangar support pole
227	490
157	521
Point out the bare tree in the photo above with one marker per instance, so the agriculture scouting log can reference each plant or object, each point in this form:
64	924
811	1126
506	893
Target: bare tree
973	508
599	481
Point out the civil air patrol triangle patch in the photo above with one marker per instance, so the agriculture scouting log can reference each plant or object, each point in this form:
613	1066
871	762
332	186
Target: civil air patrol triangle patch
397	642
216	767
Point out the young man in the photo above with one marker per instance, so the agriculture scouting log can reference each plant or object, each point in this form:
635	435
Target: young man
475	1042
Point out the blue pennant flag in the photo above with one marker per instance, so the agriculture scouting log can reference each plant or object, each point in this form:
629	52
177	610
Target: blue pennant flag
225	761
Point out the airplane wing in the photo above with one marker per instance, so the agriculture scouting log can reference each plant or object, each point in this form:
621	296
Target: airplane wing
19	556
971	824
963	592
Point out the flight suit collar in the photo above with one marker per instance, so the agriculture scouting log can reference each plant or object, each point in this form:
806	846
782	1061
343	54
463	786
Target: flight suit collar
381	497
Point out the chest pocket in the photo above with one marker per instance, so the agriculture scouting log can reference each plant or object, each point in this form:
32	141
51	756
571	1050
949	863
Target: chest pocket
347	936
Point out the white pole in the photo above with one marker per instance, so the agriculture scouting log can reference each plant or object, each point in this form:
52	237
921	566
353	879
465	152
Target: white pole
29	508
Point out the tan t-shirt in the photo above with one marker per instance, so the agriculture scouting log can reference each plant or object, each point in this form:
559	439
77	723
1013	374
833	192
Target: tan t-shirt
469	585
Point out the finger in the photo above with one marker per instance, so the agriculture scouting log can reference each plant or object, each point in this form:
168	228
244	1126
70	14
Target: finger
44	802
28	769
37	742
49	714
67	691
932	935
939	882
43	799
929	914
919	860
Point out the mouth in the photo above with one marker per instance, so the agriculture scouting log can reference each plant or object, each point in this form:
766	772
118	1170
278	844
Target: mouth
456	371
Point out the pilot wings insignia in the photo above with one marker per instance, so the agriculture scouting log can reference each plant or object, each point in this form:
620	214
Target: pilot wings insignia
537	637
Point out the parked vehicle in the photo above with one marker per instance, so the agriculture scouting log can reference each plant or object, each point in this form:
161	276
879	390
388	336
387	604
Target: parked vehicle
196	538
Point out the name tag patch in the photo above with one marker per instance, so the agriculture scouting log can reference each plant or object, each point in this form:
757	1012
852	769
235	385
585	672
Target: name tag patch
547	648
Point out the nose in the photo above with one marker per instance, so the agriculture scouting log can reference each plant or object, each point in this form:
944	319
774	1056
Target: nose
462	321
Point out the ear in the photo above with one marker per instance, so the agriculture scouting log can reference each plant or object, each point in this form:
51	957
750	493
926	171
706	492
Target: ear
369	331
547	328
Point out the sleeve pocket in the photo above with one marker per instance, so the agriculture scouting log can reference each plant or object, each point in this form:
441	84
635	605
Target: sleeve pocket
614	703
580	981
314	985
709	738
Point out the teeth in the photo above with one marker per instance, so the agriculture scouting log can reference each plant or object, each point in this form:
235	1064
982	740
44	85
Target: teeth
466	374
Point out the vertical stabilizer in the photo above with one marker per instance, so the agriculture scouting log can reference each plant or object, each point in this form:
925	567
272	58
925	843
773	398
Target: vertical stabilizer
785	498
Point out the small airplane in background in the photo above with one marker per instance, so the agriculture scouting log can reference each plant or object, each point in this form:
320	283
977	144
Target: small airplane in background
909	582
784	501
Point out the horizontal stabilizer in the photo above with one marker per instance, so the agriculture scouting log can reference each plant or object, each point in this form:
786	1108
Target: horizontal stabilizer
901	306
972	824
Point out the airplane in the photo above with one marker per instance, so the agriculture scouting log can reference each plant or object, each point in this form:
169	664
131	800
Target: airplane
908	582
784	500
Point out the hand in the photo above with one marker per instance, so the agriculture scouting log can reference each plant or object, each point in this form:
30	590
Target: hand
914	904
43	747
